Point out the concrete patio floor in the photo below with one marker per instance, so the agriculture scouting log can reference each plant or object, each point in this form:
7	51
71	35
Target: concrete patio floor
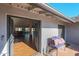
22	49
72	50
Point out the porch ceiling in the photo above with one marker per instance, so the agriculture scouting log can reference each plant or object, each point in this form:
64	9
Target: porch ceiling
34	8
31	8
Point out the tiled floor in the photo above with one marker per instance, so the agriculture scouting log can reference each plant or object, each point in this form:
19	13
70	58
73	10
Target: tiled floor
22	49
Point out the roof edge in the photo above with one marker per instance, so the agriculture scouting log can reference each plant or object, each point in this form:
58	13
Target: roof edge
54	11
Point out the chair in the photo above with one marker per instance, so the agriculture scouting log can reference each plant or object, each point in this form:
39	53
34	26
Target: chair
56	43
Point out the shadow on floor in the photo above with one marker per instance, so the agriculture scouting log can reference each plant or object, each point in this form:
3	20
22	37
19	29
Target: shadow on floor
30	44
74	47
77	54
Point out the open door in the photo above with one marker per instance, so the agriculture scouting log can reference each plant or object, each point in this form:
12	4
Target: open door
37	35
10	37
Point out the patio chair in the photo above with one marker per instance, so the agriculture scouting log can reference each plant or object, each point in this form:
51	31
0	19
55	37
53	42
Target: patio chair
56	43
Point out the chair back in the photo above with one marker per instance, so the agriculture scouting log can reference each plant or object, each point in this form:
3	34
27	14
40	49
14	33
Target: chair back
56	42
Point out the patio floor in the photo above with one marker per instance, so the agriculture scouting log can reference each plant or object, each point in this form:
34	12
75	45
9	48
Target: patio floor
67	52
22	49
72	50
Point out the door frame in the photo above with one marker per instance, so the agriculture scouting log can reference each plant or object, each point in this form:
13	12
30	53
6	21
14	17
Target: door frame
39	43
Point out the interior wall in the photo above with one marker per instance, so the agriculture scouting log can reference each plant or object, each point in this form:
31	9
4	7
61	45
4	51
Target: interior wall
49	26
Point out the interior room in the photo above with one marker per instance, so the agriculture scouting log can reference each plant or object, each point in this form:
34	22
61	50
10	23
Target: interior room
26	36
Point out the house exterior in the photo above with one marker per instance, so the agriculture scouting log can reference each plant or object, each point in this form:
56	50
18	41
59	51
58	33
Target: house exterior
50	22
73	31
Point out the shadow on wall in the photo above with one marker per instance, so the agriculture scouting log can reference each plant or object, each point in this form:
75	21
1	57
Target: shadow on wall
48	30
3	47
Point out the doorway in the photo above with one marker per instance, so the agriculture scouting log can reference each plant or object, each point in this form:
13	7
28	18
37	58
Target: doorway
61	31
26	33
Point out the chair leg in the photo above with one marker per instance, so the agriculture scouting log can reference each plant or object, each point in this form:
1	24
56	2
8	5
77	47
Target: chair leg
64	48
57	52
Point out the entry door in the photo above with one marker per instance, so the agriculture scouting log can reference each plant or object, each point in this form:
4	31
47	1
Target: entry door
10	31
61	31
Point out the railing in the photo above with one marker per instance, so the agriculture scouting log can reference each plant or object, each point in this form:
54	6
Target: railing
7	47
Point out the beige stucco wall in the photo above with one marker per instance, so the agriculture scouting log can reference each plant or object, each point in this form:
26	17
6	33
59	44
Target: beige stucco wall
73	33
49	26
2	30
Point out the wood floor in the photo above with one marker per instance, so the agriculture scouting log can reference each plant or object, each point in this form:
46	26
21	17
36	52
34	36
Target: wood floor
22	49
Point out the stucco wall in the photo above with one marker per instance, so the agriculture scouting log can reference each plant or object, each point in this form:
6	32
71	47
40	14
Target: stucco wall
2	30
73	33
49	26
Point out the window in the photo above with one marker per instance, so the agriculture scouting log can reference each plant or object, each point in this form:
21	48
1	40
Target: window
27	29
18	29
